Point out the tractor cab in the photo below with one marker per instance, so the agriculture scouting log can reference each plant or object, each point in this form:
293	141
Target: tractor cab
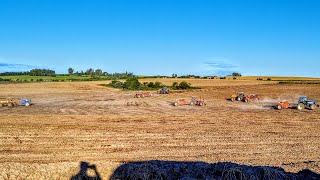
305	100
25	102
164	90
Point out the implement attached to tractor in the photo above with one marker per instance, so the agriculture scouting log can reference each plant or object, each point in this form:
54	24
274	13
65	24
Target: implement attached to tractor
193	102
12	102
241	96
142	94
303	103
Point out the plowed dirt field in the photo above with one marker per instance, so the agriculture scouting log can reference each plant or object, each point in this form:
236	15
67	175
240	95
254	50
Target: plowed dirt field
71	122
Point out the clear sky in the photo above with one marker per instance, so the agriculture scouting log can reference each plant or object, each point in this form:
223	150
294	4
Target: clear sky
161	37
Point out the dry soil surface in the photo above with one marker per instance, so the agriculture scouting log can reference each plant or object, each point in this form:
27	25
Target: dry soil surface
72	122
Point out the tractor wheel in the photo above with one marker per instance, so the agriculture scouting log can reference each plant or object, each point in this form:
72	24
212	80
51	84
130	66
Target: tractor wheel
27	104
300	106
313	106
232	99
279	107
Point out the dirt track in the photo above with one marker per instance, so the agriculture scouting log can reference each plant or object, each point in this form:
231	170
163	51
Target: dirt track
73	122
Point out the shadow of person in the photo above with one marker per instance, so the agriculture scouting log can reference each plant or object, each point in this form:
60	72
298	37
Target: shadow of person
82	175
163	170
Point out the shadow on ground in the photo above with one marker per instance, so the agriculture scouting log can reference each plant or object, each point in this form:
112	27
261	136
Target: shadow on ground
83	173
200	170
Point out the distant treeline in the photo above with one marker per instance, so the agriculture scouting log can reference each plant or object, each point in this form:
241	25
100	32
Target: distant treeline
89	72
97	74
14	73
33	72
47	75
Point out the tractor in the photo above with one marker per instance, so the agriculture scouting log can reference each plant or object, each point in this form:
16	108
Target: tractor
304	102
12	103
193	102
239	96
142	94
164	90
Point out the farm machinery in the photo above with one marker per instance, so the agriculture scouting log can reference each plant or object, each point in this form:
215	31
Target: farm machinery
164	90
17	102
303	103
241	96
142	94
193	102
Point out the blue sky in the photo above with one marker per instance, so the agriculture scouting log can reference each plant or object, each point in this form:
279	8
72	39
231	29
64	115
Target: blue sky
161	37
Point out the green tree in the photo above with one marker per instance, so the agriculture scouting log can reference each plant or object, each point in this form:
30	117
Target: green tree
90	71
98	72
236	74
117	84
184	85
132	83
175	84
157	84
150	84
70	70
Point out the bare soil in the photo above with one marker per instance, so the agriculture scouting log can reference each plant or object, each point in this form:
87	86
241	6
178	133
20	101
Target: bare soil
72	122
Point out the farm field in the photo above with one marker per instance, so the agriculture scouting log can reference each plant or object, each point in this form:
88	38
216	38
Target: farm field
72	122
279	78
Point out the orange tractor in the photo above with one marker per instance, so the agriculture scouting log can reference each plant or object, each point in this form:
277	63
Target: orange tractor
193	102
142	94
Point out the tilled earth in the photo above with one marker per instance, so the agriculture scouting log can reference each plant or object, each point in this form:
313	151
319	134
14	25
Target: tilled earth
82	121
